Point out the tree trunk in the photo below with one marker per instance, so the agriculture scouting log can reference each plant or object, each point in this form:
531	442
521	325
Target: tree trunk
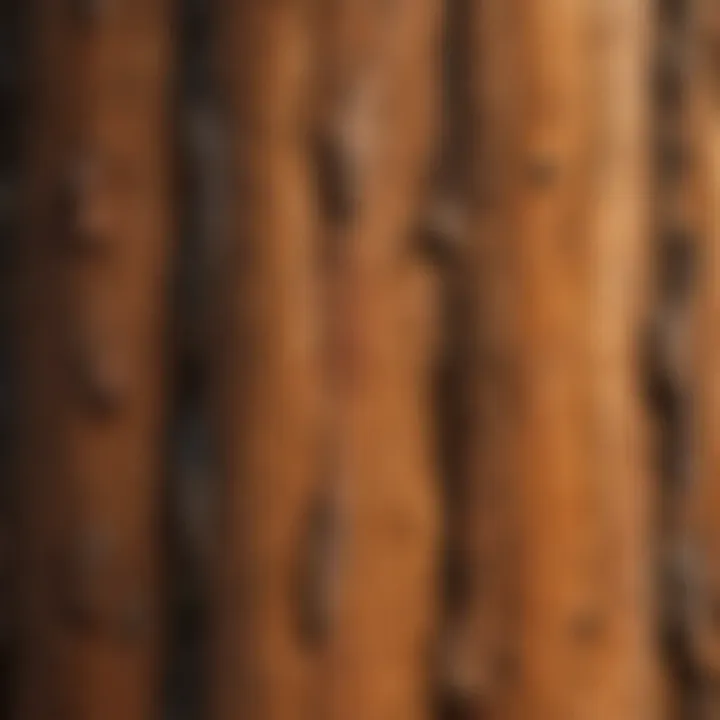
330	484
557	437
93	316
625	683
378	118
702	499
265	369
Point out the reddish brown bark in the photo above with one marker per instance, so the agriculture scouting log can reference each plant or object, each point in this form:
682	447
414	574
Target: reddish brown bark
264	375
702	499
382	106
93	290
366	452
558	529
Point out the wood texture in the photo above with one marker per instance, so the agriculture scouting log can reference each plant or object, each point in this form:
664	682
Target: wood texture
94	271
701	501
484	517
266	354
379	107
625	683
330	156
557	438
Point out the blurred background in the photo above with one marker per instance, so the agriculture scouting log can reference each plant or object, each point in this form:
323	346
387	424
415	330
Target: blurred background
359	359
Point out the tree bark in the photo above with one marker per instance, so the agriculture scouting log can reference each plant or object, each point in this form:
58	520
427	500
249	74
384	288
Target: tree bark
378	110
329	155
266	356
557	438
625	683
92	318
702	498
